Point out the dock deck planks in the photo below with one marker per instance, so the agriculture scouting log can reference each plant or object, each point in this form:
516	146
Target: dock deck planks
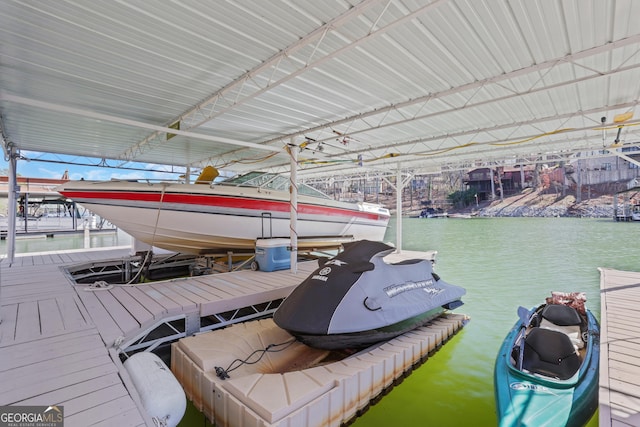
620	346
56	338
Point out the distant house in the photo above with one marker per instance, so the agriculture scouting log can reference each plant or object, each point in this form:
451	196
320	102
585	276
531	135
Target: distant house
590	170
514	179
585	170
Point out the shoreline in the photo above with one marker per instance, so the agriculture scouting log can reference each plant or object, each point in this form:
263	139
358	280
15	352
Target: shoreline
536	203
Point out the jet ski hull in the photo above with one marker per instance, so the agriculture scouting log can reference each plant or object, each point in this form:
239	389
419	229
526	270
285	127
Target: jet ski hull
356	299
366	338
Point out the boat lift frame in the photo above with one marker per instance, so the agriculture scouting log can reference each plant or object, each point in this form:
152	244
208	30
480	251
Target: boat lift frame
173	328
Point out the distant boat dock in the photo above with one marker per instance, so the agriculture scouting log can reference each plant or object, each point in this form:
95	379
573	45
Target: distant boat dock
42	211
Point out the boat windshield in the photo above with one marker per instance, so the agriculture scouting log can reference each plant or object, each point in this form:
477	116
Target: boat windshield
273	182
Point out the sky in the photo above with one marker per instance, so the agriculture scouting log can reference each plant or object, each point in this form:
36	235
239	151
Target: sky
55	166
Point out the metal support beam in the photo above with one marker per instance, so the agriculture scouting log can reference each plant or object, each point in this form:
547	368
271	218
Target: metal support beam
473	86
399	186
14	189
615	152
11	153
293	195
399	209
128	122
493	185
294	60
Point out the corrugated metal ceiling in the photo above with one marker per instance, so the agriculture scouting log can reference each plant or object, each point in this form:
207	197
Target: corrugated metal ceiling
432	84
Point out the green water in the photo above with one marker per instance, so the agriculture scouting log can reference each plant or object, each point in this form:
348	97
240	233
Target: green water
65	242
503	263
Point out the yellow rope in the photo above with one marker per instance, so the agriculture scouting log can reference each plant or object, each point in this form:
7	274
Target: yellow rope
433	153
500	144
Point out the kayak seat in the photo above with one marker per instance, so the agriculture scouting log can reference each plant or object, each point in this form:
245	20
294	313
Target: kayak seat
565	319
550	353
561	315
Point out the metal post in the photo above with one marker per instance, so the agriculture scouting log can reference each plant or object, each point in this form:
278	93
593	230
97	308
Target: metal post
87	235
579	184
11	224
12	197
74	219
25	210
399	188
493	185
293	202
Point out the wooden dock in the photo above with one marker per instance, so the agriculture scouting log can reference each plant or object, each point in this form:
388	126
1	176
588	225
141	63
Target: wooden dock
59	342
620	348
51	351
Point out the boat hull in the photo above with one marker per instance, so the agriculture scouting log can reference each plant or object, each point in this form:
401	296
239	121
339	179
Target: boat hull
199	219
523	399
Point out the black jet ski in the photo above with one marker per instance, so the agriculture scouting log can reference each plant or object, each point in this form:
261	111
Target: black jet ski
356	299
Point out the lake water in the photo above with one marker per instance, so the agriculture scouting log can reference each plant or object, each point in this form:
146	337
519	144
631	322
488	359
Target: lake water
65	242
502	263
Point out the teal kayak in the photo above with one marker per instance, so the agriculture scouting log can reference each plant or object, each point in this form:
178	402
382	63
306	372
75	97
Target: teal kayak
546	372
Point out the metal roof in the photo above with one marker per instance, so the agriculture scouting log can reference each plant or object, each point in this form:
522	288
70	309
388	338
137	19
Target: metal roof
360	85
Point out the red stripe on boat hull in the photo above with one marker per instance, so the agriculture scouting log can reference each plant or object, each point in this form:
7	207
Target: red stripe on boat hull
218	201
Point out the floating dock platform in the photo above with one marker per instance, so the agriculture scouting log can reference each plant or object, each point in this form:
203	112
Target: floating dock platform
281	391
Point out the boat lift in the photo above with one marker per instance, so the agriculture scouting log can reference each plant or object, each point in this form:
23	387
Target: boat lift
628	211
173	328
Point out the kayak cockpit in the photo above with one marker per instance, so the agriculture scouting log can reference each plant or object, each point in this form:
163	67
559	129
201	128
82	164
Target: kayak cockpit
550	353
552	345
546	371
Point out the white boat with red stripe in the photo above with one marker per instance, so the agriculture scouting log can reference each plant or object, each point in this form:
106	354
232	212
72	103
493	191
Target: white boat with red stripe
226	215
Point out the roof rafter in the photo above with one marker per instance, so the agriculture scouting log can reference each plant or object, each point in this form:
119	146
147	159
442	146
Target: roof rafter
135	123
210	108
478	84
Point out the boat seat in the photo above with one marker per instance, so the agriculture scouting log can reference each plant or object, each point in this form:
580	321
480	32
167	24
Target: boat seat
550	353
565	319
207	175
561	315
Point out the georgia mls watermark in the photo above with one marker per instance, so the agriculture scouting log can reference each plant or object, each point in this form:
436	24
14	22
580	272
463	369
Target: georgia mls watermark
31	416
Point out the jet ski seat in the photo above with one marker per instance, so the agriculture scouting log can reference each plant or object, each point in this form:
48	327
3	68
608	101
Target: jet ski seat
550	353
